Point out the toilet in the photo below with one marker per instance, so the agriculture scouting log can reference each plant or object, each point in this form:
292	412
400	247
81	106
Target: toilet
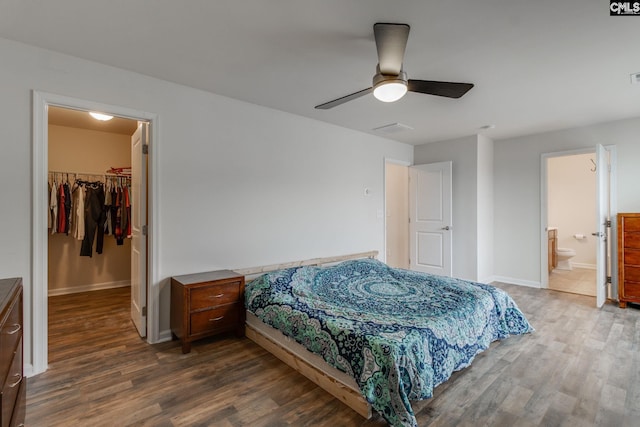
564	258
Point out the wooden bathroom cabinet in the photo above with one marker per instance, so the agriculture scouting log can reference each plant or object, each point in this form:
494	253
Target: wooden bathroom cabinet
553	249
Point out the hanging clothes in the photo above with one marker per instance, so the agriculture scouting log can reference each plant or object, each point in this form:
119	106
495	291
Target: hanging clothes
78	213
94	217
49	205
127	205
67	207
108	204
118	225
89	210
53	206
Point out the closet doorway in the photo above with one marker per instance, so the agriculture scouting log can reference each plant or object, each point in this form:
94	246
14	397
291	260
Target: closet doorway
91	207
140	218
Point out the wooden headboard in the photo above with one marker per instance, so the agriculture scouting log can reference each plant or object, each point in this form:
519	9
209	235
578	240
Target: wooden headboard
252	271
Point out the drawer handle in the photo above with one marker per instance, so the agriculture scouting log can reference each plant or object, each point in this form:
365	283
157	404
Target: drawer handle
216	296
216	319
17	382
16	330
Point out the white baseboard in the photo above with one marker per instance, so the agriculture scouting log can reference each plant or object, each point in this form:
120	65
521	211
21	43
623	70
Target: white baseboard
27	370
164	336
87	288
585	266
514	281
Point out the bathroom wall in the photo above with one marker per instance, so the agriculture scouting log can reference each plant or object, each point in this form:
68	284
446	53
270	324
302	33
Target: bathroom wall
572	205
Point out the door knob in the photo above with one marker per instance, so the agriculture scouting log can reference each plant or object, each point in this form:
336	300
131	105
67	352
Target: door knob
445	227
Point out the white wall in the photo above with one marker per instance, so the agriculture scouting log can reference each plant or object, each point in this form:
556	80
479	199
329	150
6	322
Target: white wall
463	153
485	209
571	207
239	185
517	165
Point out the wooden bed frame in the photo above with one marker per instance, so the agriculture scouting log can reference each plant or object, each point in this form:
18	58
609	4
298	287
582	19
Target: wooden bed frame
319	373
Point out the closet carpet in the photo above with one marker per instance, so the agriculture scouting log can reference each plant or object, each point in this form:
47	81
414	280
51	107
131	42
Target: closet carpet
581	367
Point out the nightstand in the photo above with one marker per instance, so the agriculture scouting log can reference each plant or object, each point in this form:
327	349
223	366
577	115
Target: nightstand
206	304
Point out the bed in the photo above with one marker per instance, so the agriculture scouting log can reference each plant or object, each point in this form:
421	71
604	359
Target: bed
389	335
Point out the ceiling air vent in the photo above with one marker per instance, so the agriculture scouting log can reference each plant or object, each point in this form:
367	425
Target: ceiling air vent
393	128
635	78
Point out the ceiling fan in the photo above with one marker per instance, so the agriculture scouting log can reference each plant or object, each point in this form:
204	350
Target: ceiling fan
390	82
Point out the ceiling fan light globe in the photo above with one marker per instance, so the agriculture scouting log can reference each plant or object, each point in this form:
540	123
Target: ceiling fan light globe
390	90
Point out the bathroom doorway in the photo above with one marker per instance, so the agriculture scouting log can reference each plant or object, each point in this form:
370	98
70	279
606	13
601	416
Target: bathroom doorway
571	218
573	241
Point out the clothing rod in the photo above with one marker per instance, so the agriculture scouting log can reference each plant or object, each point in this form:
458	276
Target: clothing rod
105	174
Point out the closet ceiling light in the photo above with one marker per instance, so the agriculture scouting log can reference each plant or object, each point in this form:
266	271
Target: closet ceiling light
100	116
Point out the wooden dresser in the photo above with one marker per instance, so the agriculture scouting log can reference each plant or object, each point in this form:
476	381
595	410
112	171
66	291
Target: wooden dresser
14	385
206	304
628	258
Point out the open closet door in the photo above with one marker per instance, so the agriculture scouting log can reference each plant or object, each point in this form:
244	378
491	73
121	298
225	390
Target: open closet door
138	232
602	218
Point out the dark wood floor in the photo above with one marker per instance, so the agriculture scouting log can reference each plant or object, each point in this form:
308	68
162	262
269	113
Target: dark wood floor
581	367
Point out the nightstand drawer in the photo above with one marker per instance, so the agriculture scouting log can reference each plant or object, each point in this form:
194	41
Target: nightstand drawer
205	304
217	319
214	295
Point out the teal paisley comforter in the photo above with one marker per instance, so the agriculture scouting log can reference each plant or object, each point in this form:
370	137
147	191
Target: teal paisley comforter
399	333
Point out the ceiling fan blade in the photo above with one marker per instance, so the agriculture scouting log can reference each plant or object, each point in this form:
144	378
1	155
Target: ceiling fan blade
344	99
446	89
391	41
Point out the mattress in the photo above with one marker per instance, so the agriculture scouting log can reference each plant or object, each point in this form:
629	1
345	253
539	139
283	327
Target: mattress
396	333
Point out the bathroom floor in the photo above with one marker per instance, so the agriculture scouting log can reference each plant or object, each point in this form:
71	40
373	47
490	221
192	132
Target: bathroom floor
580	281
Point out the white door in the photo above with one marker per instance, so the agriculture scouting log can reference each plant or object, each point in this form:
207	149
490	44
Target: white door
138	238
602	216
430	213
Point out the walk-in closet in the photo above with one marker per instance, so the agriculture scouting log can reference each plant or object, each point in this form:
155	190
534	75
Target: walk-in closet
89	213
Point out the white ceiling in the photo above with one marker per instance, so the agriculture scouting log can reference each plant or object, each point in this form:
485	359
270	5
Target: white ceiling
536	65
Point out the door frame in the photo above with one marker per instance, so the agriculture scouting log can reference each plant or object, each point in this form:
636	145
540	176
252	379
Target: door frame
37	303
544	247
386	161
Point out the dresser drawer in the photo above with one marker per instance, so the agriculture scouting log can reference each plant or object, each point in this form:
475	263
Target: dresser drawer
632	239
631	289
10	334
217	319
20	410
631	274
11	388
631	223
214	295
631	257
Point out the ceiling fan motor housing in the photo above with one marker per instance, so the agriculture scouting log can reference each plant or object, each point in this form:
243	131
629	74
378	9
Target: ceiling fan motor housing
379	78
